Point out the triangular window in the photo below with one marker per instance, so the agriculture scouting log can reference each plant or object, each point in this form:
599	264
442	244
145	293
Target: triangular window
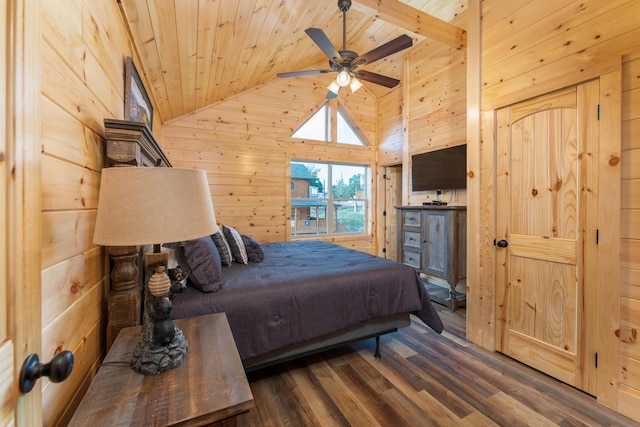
320	127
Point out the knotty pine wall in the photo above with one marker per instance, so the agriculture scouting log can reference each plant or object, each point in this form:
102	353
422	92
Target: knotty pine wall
244	145
84	44
436	112
629	394
532	48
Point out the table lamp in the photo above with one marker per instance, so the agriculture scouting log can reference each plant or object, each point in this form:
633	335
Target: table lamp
150	206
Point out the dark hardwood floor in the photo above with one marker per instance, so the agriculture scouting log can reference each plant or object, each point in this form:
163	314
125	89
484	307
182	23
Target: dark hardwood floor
423	379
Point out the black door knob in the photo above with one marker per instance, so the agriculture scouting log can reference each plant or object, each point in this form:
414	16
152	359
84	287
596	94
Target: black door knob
58	369
502	243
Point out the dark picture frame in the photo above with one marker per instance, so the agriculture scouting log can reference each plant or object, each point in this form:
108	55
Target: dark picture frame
137	105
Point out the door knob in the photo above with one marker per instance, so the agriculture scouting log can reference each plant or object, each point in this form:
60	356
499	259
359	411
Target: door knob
502	243
58	369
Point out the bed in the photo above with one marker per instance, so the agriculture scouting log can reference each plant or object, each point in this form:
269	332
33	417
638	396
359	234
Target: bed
308	296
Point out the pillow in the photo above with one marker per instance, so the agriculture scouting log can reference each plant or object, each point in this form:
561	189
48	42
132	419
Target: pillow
238	250
201	260
223	247
255	252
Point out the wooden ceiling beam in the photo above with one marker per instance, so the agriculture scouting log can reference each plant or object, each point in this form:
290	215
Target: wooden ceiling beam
411	19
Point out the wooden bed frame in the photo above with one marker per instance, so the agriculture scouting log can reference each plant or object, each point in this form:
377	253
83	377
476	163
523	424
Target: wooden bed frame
132	144
373	328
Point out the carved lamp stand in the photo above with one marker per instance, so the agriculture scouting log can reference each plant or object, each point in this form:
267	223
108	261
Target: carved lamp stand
170	205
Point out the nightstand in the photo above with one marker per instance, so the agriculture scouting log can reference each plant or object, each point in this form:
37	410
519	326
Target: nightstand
210	386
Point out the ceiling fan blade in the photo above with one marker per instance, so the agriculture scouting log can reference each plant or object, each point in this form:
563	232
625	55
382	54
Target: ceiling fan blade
303	73
386	49
377	78
320	38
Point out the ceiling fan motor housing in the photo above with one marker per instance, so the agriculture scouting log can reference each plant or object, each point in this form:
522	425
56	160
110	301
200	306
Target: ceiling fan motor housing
344	5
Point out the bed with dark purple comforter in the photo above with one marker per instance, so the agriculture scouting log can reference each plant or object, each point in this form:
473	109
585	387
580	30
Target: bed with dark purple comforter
306	290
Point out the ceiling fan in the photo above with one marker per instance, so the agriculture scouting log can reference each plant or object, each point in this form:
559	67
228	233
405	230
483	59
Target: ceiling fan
345	62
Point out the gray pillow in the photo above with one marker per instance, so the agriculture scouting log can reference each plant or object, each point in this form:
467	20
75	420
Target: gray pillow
235	243
201	260
255	252
223	247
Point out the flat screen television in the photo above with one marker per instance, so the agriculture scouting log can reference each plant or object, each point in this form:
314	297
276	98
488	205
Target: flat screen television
444	169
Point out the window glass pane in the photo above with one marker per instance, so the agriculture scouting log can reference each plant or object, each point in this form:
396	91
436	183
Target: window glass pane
308	198
346	135
315	127
308	180
348	182
350	216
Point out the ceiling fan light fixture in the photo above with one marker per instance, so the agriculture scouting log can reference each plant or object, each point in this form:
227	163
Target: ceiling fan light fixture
355	84
334	87
343	78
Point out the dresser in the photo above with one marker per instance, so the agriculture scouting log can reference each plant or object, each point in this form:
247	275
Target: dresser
432	239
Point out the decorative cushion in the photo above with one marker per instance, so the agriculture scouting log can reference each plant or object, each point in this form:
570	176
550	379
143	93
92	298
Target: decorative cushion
201	260
234	239
255	252
223	247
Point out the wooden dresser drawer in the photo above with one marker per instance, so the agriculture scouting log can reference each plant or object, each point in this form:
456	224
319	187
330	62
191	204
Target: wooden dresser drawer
412	239
411	218
411	258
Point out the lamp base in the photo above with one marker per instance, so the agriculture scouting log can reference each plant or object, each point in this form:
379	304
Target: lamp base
152	361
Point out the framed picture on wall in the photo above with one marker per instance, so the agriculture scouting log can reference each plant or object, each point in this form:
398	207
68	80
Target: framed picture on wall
137	106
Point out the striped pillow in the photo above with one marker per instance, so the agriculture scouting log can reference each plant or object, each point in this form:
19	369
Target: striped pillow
238	250
223	248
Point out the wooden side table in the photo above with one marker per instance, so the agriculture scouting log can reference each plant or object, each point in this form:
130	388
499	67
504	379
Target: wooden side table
210	386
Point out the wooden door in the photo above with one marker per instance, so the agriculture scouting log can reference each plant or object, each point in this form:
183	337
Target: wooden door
546	216
20	330
7	390
393	197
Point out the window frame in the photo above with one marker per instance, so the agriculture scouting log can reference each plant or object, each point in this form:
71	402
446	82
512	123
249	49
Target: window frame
330	202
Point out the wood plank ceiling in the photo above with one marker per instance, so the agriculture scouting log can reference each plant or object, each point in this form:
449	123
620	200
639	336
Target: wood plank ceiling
198	52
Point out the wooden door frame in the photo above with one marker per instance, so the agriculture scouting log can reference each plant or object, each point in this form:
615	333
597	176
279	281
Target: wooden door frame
23	158
481	297
381	224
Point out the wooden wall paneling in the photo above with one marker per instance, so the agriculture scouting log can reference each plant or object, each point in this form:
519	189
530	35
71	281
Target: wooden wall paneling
594	51
66	282
59	403
63	332
406	124
106	38
575	25
505	17
68	186
6	349
437	107
390	128
73	95
629	388
479	195
65	234
59	129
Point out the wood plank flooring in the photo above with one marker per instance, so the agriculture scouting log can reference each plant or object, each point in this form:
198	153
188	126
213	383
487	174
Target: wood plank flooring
423	379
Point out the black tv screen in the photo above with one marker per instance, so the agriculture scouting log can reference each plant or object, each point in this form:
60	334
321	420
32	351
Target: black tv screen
444	169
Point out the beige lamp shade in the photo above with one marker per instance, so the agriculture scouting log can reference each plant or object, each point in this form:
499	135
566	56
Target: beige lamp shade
143	206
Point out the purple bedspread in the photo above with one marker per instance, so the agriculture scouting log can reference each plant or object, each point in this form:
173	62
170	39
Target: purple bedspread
305	289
